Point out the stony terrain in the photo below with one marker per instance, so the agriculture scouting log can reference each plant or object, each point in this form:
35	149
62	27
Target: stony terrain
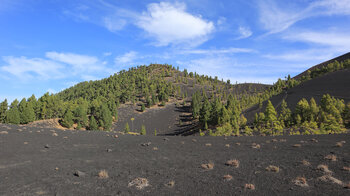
40	161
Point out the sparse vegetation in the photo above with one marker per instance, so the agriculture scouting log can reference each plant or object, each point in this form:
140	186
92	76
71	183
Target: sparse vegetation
103	174
208	166
249	186
300	181
233	163
331	157
227	177
272	168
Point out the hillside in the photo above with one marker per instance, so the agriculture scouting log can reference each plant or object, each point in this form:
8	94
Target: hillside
323	64
337	84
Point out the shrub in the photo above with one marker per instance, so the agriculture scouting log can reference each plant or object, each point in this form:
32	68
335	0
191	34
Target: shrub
143	130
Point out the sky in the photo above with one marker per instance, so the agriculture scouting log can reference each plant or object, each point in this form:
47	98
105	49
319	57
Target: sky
50	45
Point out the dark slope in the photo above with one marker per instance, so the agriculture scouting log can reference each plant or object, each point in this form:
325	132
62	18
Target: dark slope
336	84
319	66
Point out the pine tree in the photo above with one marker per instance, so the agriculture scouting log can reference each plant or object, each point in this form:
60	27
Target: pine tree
3	110
270	113
126	128
143	107
27	115
13	114
93	123
143	130
303	110
285	114
67	120
106	117
205	112
313	110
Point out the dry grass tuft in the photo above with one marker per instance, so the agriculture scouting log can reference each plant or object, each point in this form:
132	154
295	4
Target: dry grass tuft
54	134
232	162
170	184
340	144
227	177
329	178
272	168
208	144
256	146
227	145
238	144
208	166
300	181
249	186
283	140
346	168
324	168
4	132
305	162
139	183
194	140
297	145
115	136
103	174
347	185
331	157
155	148
274	140
25	142
314	140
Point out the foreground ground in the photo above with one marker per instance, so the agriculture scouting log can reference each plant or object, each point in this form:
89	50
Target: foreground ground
35	161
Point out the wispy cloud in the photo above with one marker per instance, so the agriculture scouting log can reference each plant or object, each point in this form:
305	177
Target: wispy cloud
275	18
126	58
303	56
54	66
337	40
217	51
80	63
27	68
170	24
244	32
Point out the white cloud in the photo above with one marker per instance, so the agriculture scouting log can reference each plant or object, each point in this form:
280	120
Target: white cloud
338	40
276	19
303	56
114	24
126	58
25	68
54	66
228	68
217	51
51	91
80	63
171	24
244	32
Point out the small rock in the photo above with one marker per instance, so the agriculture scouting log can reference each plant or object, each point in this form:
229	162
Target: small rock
227	177
115	136
47	146
166	139
79	173
170	184
109	150
146	144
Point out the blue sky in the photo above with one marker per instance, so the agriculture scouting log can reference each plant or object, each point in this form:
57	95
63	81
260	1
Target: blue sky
49	45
